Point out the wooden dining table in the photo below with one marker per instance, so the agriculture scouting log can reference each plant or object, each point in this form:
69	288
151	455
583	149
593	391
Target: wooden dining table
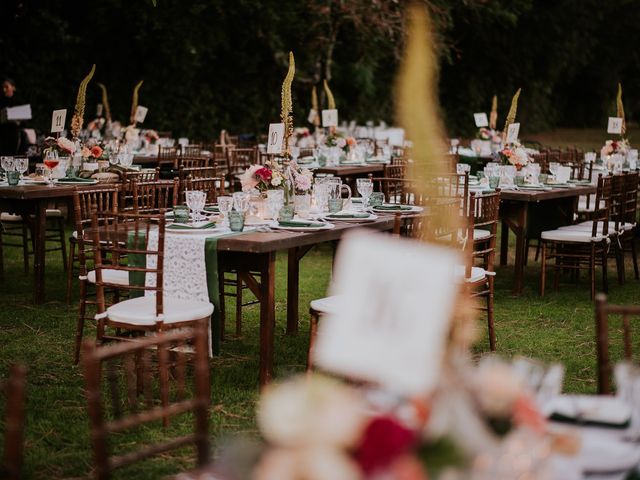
253	256
527	213
33	200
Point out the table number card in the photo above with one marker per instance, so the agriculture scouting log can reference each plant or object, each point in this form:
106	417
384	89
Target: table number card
57	120
615	125
275	138
330	118
99	109
392	319
481	119
512	133
313	114
141	113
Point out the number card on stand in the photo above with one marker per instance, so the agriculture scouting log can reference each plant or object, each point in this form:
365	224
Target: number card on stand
330	118
481	119
512	133
57	120
141	113
615	125
391	321
275	138
99	109
313	114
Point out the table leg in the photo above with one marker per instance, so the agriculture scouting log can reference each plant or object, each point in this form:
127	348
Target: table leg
520	229
40	226
293	276
267	316
504	243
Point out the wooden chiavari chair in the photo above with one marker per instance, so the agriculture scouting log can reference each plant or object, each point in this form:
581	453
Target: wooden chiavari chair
167	155
193	162
14	390
576	248
239	160
130	387
628	225
603	312
126	189
213	186
154	197
193	150
134	237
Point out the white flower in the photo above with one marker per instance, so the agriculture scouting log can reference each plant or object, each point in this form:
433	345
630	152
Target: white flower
341	142
497	387
248	178
276	180
307	463
314	411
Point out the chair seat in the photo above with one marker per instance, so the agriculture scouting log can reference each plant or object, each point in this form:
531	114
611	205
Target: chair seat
9	217
118	277
326	305
568	235
141	311
477	274
588	225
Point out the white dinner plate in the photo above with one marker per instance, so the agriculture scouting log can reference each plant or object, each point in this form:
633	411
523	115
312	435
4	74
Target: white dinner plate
370	218
28	181
601	453
325	226
592	409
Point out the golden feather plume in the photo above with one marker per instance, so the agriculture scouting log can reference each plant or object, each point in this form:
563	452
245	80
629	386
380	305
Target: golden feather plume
620	110
331	102
513	110
134	101
417	107
287	103
493	116
314	105
105	102
78	112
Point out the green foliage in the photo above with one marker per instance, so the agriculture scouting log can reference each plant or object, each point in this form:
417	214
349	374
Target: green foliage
212	64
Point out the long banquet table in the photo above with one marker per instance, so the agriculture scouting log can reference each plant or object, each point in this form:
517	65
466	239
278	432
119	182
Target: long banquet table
528	212
253	256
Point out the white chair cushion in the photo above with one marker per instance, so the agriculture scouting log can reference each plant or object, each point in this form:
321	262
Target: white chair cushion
588	226
477	274
612	225
567	235
141	311
479	234
9	217
326	305
53	212
118	277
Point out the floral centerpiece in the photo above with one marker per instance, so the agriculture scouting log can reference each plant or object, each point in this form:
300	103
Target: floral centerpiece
514	154
489	134
615	147
262	177
302	137
92	151
302	178
150	136
62	145
335	139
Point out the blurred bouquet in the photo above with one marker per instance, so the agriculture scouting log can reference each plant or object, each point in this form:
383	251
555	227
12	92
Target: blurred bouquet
62	145
615	147
336	139
92	151
302	138
150	136
489	134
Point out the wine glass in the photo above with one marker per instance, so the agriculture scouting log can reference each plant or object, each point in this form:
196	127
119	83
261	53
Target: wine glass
51	161
21	164
196	200
365	188
241	201
7	164
225	203
454	145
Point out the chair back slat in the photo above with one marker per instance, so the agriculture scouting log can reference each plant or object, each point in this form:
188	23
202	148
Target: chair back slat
154	197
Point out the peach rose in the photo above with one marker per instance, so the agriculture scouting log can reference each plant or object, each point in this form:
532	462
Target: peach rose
96	151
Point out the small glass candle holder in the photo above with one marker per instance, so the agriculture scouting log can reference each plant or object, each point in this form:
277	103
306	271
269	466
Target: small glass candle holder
286	212
335	205
494	182
236	221
181	214
376	199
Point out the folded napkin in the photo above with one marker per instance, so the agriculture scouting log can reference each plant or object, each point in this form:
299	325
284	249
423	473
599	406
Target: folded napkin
298	223
184	226
348	215
75	180
212	209
394	207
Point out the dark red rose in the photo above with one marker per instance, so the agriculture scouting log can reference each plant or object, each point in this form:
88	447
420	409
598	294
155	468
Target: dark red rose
383	441
264	174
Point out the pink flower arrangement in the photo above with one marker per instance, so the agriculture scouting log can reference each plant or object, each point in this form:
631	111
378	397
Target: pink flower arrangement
613	147
515	155
337	140
63	145
261	177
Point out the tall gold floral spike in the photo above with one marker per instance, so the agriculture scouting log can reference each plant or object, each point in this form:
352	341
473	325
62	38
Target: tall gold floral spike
105	102
314	106
134	101
620	110
331	102
287	103
418	111
513	110
78	112
493	116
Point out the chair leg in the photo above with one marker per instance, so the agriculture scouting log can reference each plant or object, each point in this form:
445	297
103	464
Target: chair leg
605	279
538	250
490	323
543	268
557	268
634	257
313	332
223	301
238	305
72	253
63	242
81	315
592	272
1	257
526	252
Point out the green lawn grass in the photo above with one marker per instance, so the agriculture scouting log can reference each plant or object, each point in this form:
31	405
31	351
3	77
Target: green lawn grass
557	328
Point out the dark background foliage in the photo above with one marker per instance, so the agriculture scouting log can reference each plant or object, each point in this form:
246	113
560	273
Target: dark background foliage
217	64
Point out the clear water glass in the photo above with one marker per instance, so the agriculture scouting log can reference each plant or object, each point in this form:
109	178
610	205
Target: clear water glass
21	164
196	201
365	189
7	163
241	201
225	203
